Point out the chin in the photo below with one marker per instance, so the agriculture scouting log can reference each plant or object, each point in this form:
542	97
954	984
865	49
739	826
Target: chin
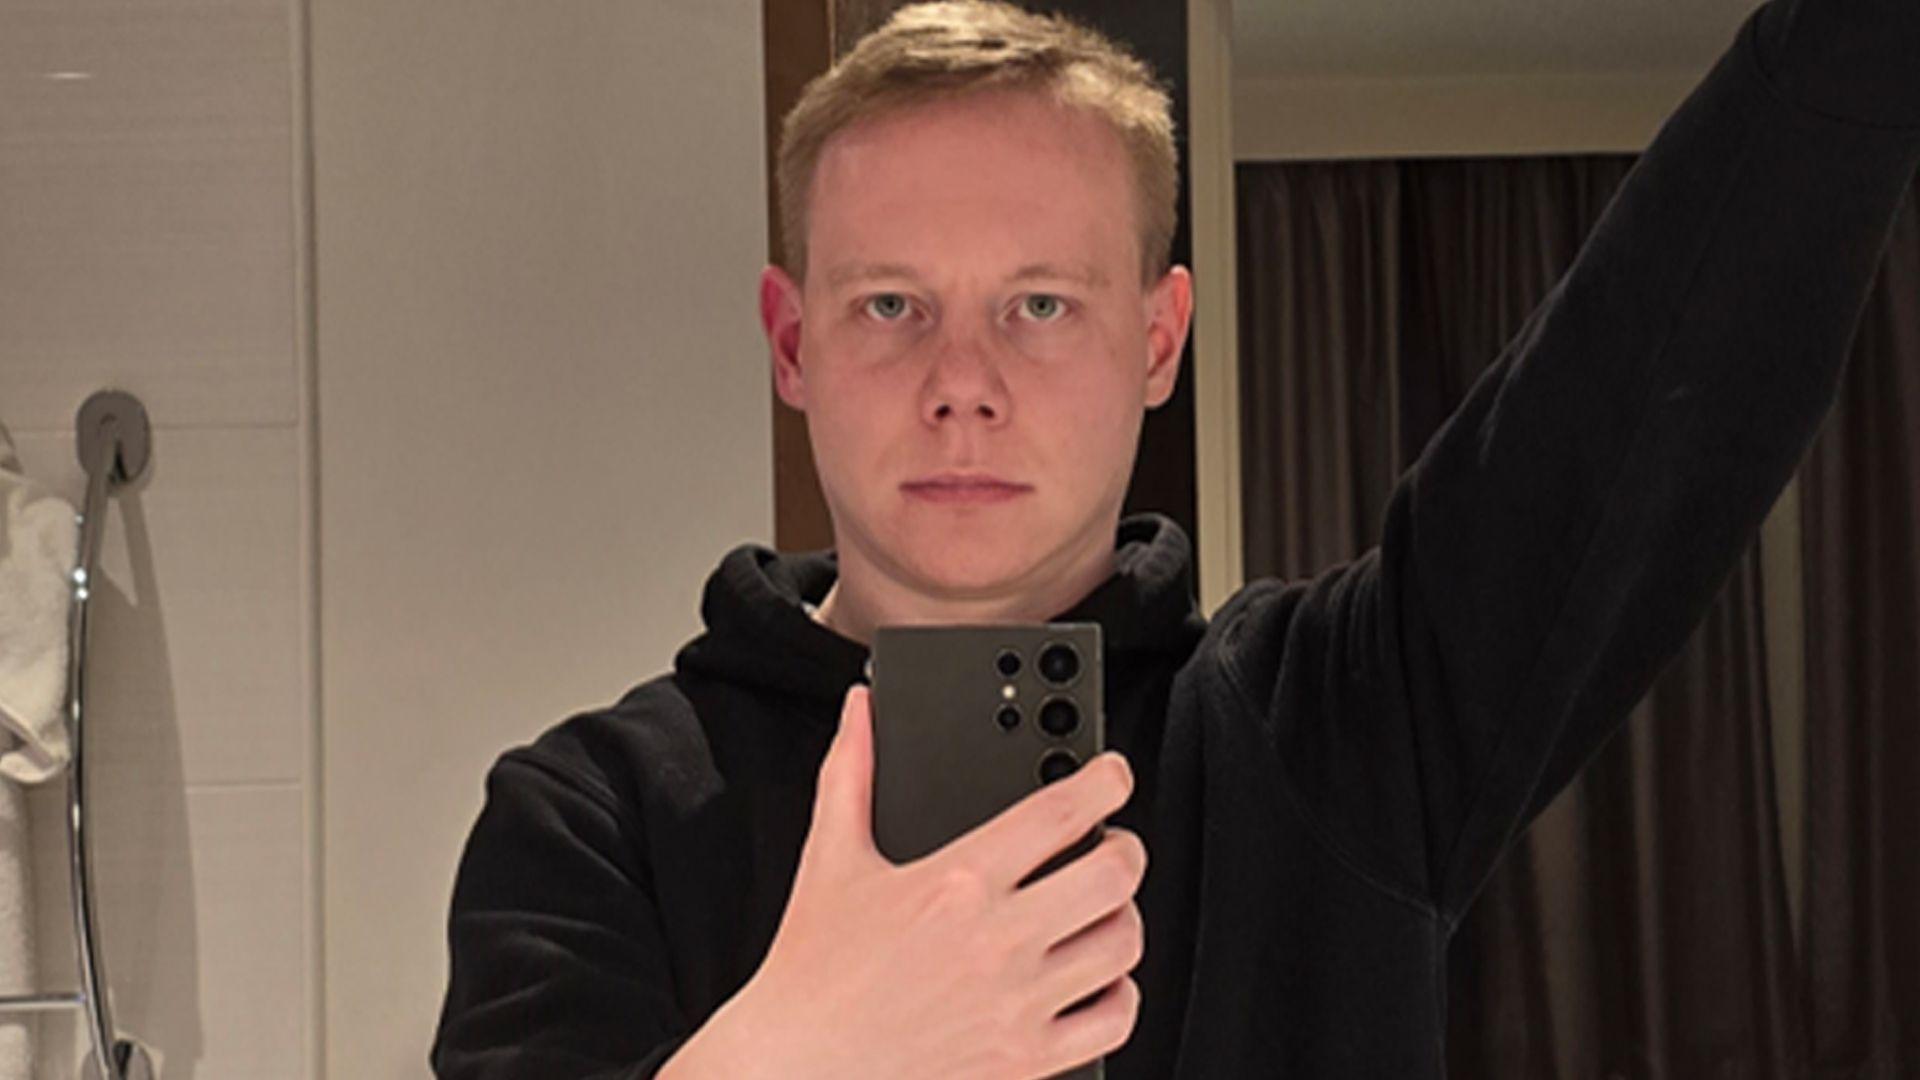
966	560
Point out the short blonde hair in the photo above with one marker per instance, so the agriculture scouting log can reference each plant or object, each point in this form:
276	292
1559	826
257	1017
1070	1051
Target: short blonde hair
936	50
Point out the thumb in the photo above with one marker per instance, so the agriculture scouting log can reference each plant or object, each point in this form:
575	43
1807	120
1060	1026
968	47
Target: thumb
843	799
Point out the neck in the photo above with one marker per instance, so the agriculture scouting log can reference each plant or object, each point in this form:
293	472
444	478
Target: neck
864	597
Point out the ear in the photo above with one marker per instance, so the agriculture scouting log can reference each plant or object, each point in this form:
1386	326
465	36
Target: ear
780	308
1169	310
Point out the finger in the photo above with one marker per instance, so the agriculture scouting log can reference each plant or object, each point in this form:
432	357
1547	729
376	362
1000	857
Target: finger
843	800
1005	848
1098	1028
1093	958
1090	887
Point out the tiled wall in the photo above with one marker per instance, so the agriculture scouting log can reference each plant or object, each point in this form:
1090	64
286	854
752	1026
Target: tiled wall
151	239
462	477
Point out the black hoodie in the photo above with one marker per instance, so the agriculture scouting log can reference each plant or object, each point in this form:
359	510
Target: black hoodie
1328	770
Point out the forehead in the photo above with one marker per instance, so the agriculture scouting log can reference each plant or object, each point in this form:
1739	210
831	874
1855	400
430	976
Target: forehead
1007	175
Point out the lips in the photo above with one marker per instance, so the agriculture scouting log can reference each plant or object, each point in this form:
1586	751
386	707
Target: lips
964	487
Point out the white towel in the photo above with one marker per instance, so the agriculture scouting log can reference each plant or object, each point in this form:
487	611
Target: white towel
17	1030
39	541
39	538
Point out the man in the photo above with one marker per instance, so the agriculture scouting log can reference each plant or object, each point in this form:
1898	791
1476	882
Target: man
974	313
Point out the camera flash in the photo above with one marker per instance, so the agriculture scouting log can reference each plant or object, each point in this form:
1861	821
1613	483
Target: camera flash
1007	692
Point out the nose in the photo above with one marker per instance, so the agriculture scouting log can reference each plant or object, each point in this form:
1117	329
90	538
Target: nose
964	381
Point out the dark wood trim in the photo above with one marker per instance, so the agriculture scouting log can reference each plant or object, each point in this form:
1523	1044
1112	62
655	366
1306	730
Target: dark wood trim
796	43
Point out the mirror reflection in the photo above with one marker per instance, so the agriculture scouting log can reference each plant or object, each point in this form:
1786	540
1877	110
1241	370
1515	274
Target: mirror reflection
851	538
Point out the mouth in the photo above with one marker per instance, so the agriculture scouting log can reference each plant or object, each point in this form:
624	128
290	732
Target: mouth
964	488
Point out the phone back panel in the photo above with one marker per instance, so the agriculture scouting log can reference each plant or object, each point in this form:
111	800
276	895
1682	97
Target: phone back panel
945	762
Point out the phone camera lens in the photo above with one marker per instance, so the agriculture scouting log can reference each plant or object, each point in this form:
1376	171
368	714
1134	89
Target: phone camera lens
1007	663
1057	765
1059	663
1008	717
1059	716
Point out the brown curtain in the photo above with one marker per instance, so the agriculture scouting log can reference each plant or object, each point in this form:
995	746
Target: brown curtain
1641	927
1861	551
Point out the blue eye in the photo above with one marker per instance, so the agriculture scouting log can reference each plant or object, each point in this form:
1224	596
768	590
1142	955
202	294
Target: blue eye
887	307
1043	307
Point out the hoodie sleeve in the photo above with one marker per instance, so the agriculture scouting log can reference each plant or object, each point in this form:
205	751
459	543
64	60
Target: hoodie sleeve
559	967
1567	528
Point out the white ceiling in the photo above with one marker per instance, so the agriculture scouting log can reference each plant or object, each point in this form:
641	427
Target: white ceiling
1277	39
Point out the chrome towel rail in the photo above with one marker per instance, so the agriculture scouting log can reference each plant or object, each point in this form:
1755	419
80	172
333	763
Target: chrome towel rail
114	443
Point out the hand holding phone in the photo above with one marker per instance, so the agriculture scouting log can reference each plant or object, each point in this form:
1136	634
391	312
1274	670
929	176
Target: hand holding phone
945	965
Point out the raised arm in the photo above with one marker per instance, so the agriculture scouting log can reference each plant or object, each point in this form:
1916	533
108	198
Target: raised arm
1566	529
559	967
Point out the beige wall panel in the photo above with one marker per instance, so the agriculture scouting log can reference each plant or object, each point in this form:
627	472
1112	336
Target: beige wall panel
147	232
543	418
1308	118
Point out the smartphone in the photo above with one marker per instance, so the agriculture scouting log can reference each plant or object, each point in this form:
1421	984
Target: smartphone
970	719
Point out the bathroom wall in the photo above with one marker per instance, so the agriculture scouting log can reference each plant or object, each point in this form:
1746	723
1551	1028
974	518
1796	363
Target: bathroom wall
152	238
451	419
543	413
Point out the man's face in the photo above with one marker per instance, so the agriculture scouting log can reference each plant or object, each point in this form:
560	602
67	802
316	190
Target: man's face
973	307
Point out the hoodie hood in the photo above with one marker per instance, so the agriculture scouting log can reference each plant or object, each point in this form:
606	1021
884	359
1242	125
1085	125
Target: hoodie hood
759	634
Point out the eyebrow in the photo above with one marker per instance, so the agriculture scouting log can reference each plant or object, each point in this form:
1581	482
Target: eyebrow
1084	274
847	273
